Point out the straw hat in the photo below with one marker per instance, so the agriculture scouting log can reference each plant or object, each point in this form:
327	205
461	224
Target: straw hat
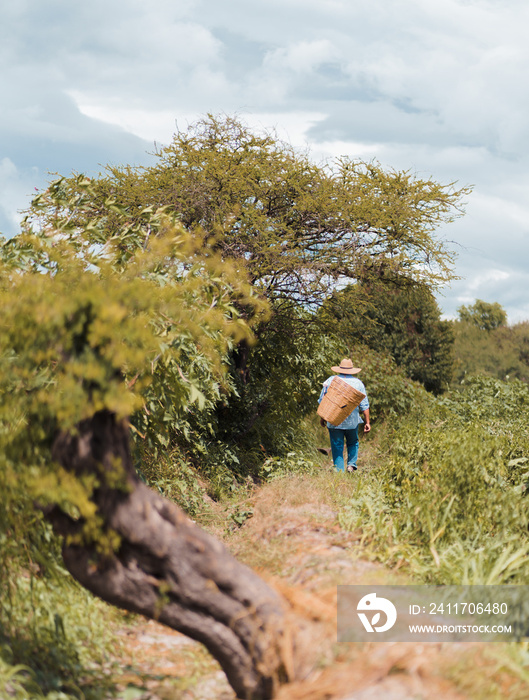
346	367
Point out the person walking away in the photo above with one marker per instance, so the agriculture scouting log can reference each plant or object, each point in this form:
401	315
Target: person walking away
347	432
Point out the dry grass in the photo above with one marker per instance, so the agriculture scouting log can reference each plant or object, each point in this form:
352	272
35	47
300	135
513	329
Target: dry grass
295	523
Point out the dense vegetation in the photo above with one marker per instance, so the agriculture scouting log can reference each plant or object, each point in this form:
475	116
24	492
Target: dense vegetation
485	344
401	320
450	500
191	310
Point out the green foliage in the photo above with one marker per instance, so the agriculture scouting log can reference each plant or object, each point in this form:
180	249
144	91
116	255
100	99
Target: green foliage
450	500
400	319
137	324
484	343
293	462
281	387
485	316
241	515
452	483
295	226
86	329
174	478
501	352
500	404
391	393
52	636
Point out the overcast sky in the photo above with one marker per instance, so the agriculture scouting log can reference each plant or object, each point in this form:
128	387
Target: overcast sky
435	86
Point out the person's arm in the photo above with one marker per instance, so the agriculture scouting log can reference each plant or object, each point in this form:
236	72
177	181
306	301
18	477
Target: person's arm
367	424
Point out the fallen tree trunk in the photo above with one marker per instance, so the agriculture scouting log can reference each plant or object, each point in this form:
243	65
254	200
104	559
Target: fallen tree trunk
165	567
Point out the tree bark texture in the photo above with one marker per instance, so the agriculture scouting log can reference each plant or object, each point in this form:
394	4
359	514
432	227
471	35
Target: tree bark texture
168	569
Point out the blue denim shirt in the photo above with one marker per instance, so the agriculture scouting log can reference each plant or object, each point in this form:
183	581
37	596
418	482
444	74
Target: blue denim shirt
353	419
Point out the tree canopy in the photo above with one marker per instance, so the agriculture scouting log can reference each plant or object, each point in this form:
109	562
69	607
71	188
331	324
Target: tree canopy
296	226
85	330
484	315
501	352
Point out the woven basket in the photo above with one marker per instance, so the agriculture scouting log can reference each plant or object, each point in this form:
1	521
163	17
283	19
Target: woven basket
339	402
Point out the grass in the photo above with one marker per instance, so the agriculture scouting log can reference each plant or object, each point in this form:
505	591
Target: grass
445	505
55	641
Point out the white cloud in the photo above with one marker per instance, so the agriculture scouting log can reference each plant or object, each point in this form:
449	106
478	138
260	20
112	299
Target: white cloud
432	86
301	57
151	125
487	278
15	188
291	127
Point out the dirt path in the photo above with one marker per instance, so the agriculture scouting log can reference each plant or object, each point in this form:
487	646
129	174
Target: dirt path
293	541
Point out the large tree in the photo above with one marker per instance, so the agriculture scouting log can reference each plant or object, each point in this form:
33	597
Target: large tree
83	335
296	226
484	315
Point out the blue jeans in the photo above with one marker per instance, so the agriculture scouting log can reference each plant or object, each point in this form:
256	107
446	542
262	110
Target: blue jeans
338	437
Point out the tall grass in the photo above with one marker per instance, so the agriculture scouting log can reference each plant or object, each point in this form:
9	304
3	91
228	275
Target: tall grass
448	500
55	637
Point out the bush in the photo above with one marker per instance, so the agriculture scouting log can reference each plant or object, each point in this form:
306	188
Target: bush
392	395
450	500
400	319
501	352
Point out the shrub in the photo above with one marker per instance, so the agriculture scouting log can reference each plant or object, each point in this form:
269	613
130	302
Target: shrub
450	500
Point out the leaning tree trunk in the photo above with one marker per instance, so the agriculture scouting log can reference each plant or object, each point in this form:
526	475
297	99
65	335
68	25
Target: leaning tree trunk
165	567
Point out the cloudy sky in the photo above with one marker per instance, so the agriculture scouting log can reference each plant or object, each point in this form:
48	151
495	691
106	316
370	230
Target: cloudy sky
438	87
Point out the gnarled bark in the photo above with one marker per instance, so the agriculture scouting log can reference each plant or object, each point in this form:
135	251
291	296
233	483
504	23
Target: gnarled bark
168	569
